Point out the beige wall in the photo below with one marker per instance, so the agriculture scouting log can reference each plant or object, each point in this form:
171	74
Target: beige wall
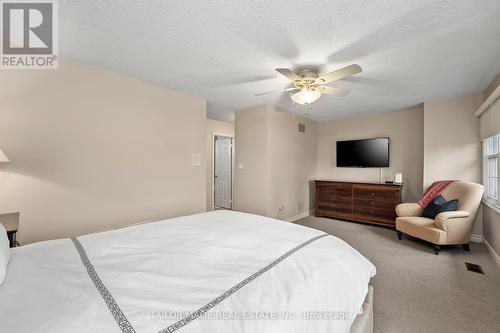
92	150
251	176
277	162
214	127
405	130
292	163
452	147
491	228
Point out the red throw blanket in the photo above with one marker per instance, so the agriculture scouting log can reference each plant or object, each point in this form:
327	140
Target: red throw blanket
433	191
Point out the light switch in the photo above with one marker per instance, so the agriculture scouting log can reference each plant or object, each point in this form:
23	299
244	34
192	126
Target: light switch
240	165
196	160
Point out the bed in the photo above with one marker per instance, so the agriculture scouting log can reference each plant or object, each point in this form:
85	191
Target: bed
220	271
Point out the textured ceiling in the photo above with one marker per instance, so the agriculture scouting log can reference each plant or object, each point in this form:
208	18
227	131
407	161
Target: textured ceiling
226	51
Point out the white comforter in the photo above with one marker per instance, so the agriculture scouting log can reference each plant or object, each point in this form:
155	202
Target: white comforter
153	275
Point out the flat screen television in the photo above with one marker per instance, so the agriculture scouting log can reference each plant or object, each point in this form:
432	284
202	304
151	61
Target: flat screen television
367	153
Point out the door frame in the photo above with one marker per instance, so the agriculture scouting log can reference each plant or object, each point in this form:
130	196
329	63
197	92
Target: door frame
212	183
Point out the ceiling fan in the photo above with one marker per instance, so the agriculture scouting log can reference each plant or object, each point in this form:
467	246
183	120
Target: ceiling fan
308	86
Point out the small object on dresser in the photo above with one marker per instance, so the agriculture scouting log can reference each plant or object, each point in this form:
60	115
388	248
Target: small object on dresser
398	178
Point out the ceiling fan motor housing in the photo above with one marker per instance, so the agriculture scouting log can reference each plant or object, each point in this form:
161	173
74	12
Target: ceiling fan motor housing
308	77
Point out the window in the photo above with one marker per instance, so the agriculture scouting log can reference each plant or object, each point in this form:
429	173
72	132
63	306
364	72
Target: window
491	154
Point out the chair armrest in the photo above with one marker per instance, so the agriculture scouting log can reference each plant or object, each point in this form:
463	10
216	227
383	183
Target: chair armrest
442	218
409	209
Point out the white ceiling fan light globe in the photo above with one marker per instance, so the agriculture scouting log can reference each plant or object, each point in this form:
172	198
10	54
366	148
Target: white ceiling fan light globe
305	96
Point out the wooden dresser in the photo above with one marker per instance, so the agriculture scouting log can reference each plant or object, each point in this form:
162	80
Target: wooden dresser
372	203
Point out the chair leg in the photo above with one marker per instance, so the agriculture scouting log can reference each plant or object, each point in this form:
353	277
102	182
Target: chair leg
436	249
466	247
399	234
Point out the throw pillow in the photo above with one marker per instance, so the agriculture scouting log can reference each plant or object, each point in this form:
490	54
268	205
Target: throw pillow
439	205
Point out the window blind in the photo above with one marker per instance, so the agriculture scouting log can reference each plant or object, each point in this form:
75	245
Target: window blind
489	121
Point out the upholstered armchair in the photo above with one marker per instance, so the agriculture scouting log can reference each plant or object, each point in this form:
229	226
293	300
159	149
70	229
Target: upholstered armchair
448	227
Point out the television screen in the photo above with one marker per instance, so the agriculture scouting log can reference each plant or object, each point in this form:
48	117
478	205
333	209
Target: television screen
368	153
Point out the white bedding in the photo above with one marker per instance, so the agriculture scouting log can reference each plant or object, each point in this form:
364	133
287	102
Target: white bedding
156	273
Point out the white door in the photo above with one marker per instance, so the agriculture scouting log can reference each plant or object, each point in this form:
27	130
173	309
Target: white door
222	171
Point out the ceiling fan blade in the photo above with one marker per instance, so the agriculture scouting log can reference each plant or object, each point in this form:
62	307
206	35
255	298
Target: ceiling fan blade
288	73
339	74
333	91
273	91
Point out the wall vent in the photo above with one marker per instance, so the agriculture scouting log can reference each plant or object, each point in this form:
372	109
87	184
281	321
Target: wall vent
302	128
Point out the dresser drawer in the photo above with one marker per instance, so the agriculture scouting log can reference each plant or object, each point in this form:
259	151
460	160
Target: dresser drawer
374	194
341	189
338	207
375	212
375	203
335	193
335	198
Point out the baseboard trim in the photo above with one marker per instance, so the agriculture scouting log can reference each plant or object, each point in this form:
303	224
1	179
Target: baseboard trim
495	255
476	238
300	216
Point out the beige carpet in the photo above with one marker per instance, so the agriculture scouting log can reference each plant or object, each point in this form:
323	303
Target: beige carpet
417	291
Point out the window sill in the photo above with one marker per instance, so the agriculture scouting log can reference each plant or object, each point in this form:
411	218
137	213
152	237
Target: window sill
492	205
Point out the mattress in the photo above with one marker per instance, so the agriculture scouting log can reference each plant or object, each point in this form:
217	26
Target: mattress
220	271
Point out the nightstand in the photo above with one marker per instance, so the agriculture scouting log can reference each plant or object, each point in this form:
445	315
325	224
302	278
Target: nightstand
11	223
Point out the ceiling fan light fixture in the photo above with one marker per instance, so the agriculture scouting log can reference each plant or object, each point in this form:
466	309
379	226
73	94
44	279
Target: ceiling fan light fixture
305	96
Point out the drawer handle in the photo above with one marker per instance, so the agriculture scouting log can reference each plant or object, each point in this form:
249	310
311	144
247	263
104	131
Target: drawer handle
373	194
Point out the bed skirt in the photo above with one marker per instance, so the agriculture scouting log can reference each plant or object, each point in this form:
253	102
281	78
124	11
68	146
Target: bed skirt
364	322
